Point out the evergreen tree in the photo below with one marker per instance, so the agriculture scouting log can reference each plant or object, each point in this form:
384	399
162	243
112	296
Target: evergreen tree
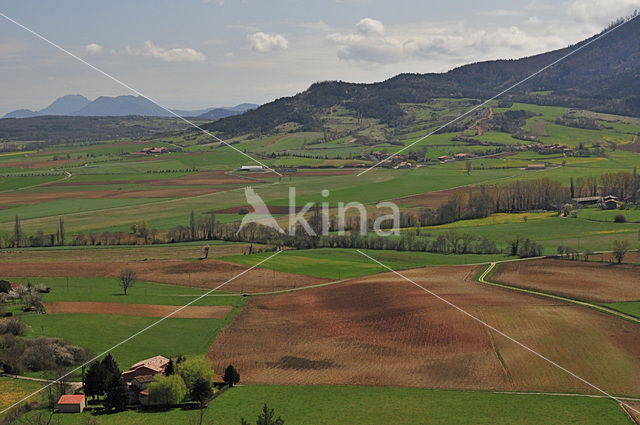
116	393
201	391
266	417
109	367
17	230
94	380
170	368
231	376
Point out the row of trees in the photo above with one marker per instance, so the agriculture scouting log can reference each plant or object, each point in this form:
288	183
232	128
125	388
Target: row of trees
536	194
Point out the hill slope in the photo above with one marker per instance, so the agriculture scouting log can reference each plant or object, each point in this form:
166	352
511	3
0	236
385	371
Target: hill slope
603	76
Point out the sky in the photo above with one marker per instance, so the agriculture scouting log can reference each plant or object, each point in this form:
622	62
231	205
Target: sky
192	54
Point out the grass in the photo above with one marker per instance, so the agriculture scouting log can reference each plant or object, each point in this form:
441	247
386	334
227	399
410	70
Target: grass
101	289
101	332
546	228
376	405
630	307
341	263
13	390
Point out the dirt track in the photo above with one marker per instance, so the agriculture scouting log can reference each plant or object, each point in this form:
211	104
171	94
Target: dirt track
599	282
144	310
381	330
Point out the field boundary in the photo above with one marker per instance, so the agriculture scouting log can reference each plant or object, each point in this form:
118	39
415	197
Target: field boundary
482	278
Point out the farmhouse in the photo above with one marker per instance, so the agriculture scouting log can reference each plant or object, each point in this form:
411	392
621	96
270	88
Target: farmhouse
463	155
251	168
536	166
148	367
444	158
610	202
138	389
69	403
587	200
155	150
404	164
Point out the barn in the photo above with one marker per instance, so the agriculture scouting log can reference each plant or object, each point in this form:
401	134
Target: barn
71	403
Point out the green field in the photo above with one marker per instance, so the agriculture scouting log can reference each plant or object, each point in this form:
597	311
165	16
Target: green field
632	307
371	405
341	263
549	229
102	289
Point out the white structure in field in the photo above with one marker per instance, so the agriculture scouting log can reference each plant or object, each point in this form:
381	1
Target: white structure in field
251	168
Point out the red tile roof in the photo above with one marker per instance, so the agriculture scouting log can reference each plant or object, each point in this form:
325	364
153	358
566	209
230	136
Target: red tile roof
71	399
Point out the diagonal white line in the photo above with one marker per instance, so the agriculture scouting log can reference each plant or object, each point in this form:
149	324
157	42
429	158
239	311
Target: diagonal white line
95	68
139	332
499	94
482	322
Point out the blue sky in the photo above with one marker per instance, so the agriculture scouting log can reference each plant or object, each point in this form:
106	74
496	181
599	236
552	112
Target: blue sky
195	53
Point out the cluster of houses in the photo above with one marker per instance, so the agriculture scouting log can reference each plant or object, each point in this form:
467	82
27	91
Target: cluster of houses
397	161
151	151
457	157
544	148
138	377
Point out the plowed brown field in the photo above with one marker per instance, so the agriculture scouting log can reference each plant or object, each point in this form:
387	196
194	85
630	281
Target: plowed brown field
382	330
144	310
122	253
432	199
38	197
599	282
203	274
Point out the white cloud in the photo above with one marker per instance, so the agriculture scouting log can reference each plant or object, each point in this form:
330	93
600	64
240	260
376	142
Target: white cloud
263	42
371	42
370	27
502	12
600	12
93	48
178	54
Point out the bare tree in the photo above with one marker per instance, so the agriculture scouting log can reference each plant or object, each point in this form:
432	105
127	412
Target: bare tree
127	279
620	249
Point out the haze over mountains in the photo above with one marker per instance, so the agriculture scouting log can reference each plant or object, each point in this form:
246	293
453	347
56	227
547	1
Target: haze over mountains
105	106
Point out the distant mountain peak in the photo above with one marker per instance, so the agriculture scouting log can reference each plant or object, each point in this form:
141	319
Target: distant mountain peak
123	105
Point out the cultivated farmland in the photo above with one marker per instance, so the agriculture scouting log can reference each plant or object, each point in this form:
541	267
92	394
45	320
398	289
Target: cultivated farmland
599	282
381	330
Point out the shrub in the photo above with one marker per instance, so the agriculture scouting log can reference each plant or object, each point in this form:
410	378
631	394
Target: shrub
167	390
620	218
5	286
194	368
13	326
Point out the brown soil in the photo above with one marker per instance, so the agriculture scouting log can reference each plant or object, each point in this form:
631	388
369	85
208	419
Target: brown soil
590	281
144	310
631	257
432	199
631	147
36	164
197	179
336	172
382	330
120	253
203	274
205	178
38	197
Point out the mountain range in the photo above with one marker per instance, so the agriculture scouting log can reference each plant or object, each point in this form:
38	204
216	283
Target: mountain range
603	75
105	106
